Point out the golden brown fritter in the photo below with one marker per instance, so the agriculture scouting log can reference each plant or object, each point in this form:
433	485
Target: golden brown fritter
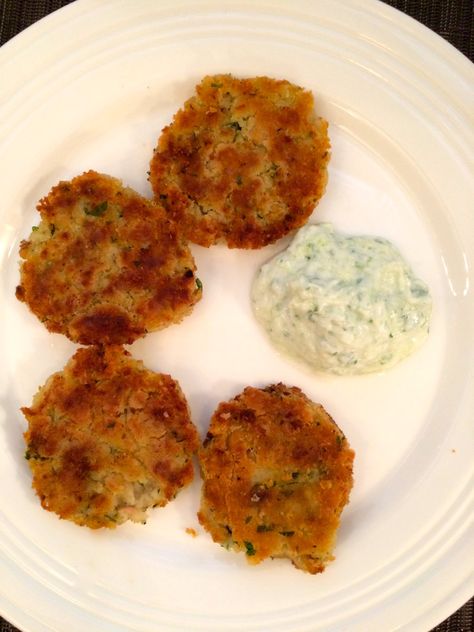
277	473
249	155
107	439
105	265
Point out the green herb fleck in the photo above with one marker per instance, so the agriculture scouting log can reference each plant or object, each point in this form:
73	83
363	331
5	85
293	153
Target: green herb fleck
52	229
234	125
272	170
239	180
98	210
34	228
340	440
262	528
249	548
295	475
419	291
29	454
287	533
199	284
216	85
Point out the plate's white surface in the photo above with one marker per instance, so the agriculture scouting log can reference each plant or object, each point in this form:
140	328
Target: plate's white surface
91	87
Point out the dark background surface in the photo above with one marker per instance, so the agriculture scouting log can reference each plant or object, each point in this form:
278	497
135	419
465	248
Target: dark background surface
452	19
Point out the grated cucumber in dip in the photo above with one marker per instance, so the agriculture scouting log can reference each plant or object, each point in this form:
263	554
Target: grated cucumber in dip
343	304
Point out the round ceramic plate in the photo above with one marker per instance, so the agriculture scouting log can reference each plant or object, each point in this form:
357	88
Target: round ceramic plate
91	87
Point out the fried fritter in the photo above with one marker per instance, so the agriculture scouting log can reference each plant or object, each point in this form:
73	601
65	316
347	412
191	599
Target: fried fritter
108	438
277	473
250	157
105	265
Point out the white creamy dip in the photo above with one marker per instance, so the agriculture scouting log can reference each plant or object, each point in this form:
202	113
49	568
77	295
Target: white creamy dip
343	304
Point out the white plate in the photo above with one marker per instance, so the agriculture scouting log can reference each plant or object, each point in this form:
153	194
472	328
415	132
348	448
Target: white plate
91	87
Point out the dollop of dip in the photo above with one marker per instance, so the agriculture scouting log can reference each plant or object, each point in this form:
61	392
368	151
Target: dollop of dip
342	304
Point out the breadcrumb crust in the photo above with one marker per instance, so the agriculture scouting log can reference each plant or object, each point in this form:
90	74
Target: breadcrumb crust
249	157
277	474
107	439
105	265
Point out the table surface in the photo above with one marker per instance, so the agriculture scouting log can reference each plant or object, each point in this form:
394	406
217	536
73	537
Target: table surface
452	19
